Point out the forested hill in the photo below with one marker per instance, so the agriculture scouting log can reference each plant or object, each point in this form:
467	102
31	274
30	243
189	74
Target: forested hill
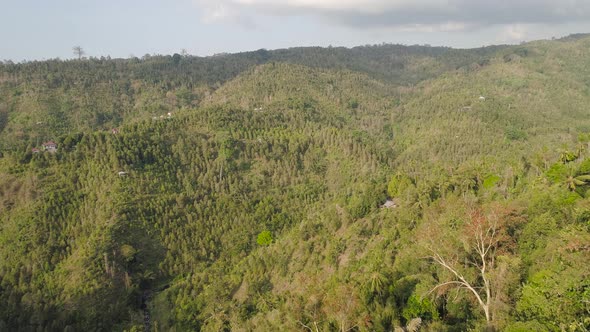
55	97
311	189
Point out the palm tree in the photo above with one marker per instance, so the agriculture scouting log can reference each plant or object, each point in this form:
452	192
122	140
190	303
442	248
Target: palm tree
567	156
572	181
377	282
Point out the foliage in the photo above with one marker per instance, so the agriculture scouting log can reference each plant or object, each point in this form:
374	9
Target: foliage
422	308
257	203
264	238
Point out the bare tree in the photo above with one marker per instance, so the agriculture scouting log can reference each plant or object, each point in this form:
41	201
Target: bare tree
342	305
472	270
313	297
78	51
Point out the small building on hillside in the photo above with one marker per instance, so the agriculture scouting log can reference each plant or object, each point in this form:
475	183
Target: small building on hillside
35	150
389	204
114	131
482	98
122	173
50	146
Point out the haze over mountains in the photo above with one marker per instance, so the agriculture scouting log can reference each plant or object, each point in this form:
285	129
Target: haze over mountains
322	189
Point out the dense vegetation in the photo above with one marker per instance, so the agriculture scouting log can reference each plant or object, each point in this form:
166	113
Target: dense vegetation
245	192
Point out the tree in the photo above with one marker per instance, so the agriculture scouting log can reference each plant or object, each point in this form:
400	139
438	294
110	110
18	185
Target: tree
568	175
471	262
566	156
572	182
176	58
377	283
343	307
264	238
309	313
78	51
226	150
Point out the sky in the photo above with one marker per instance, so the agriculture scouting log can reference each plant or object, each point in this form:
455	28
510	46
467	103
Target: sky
44	29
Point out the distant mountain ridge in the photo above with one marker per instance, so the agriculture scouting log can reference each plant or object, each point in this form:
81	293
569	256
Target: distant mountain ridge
106	92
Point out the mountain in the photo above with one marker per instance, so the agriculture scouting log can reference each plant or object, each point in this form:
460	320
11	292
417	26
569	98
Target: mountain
52	98
368	189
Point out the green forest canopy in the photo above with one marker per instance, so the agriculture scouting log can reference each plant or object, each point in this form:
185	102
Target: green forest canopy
245	191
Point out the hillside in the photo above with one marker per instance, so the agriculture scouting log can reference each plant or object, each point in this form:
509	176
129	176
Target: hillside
258	203
52	98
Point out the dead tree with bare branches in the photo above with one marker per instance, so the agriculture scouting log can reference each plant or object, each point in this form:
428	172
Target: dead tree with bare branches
472	270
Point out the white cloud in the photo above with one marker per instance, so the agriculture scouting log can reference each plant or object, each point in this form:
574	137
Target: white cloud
218	12
365	6
445	27
513	33
415	15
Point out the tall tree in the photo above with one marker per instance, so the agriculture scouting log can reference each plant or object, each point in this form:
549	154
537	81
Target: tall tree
78	51
471	261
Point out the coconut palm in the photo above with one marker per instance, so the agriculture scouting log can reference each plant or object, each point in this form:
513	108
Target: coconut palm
572	181
377	282
567	156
